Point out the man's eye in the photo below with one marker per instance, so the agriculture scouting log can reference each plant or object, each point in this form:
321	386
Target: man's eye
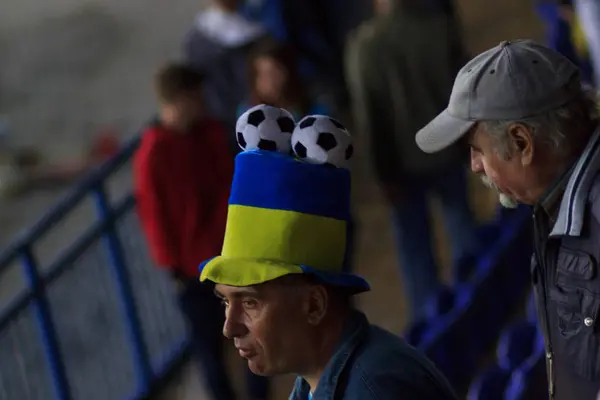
474	149
249	304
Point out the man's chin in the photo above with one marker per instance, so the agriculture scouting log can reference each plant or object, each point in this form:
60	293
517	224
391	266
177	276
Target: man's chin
258	369
507	202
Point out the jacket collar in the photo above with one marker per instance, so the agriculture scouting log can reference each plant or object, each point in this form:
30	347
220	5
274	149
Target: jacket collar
352	337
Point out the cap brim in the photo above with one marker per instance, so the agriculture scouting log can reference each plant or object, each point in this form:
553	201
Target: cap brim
443	131
241	272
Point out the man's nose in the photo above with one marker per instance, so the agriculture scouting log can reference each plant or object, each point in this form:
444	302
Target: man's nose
233	326
476	164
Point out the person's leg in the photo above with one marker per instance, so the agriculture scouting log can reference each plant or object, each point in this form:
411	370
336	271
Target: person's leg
205	316
451	188
417	262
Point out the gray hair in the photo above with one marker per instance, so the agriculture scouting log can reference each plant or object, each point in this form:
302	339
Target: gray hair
560	131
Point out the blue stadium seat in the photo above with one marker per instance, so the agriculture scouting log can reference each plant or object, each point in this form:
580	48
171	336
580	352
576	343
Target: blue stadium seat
466	265
528	382
517	343
490	384
440	303
415	333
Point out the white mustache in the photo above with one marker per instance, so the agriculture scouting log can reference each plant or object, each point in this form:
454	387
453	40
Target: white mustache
488	182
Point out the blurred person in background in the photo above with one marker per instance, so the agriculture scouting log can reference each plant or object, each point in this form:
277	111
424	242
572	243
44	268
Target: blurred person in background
275	80
533	134
397	85
217	45
588	21
316	31
182	173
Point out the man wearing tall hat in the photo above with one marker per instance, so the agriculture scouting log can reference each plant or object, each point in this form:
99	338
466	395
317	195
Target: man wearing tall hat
287	302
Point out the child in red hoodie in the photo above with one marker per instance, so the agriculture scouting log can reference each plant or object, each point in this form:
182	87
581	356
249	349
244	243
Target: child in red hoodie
183	171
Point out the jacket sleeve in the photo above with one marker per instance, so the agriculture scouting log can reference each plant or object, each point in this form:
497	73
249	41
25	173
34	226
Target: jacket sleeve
151	207
370	105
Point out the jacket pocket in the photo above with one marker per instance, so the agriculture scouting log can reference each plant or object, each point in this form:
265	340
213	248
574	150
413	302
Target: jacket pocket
577	304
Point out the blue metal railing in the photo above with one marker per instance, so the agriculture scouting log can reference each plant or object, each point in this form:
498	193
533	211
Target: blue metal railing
105	319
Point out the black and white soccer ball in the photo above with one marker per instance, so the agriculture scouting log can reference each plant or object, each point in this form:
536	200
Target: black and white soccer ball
320	139
264	127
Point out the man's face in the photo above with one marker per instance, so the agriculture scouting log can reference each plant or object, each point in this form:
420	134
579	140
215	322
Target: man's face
266	323
507	174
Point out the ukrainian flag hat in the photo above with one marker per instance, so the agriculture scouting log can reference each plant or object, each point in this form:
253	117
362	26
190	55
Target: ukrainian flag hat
288	211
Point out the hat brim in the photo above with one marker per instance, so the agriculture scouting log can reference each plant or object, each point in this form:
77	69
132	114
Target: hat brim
443	131
242	272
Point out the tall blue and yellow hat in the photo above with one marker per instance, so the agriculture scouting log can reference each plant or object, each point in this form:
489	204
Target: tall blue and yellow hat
289	211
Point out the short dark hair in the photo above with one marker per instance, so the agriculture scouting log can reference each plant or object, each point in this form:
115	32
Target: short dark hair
339	295
175	79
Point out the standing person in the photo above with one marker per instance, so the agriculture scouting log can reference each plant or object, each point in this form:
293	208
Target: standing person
183	170
217	45
287	301
533	136
588	14
274	80
316	31
397	85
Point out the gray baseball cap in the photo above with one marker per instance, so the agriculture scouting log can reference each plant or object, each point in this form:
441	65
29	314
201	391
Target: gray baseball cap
516	79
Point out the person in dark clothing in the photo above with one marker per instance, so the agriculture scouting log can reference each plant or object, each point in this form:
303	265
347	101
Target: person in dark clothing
317	31
182	174
397	85
217	45
533	135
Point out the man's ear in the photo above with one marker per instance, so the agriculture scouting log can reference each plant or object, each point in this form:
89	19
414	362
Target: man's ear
522	139
316	303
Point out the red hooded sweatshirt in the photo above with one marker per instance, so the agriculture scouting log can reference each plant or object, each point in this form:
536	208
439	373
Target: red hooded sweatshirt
182	184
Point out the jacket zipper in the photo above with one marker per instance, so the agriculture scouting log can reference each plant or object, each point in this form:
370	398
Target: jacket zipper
545	325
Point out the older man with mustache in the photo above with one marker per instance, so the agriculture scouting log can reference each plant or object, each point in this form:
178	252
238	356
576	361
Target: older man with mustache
533	136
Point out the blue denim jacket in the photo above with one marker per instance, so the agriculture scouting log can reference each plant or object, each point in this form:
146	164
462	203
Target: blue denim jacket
373	364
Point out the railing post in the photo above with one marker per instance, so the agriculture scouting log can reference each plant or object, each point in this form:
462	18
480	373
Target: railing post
132	321
62	391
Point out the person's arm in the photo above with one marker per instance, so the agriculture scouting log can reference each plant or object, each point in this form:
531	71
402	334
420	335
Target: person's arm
151	207
370	106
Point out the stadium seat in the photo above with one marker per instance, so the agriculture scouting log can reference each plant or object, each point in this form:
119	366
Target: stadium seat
440	303
516	344
528	382
490	384
466	265
415	333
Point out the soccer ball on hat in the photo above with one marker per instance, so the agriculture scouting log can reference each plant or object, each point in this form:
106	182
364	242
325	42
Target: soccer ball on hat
320	139
265	127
